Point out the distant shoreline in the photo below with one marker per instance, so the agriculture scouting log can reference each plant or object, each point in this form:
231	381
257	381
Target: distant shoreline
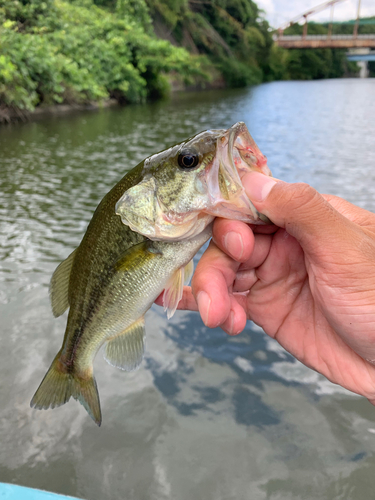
11	115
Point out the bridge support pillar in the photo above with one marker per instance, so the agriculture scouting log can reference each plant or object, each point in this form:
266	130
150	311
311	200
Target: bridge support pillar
362	63
363	71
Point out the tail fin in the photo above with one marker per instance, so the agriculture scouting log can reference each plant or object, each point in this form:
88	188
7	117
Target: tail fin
58	387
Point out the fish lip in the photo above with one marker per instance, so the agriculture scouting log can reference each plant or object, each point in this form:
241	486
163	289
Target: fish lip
240	139
250	157
238	130
234	132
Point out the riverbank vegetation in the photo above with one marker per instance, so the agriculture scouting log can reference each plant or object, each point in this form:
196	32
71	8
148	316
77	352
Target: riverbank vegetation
81	51
54	51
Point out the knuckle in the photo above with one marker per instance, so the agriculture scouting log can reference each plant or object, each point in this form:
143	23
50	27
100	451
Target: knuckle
300	202
304	194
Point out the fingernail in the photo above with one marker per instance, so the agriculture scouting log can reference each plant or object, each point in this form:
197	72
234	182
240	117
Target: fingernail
234	244
257	186
204	303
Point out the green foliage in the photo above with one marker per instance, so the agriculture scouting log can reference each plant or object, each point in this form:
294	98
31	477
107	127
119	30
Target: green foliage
230	32
29	16
366	26
56	51
136	10
238	74
30	69
26	13
276	64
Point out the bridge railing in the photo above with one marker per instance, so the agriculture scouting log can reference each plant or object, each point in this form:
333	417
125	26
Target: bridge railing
321	37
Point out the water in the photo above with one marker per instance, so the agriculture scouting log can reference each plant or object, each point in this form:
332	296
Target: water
206	416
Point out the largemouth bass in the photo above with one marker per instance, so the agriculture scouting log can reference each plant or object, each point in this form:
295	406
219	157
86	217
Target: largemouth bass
141	240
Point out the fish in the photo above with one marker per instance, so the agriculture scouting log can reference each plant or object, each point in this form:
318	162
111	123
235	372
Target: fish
140	241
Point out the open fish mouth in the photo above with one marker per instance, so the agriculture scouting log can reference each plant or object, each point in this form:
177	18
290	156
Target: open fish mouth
244	151
237	154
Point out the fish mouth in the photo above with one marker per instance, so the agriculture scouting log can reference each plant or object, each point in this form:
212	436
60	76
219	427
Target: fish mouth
237	154
245	154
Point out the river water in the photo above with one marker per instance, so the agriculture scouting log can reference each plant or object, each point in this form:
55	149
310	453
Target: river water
207	416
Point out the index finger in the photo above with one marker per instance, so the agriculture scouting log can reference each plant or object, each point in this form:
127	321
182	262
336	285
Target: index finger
212	285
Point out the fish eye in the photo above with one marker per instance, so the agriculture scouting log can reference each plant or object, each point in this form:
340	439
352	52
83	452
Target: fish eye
188	160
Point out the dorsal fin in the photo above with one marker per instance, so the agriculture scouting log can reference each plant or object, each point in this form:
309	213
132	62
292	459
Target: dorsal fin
125	350
59	286
175	287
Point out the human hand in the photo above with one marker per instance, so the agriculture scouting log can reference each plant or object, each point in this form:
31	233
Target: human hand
309	281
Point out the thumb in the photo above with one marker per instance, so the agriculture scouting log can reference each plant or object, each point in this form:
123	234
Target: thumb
298	208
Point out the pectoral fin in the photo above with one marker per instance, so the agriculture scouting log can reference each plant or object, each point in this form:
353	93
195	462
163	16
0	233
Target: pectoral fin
136	256
125	350
175	288
59	285
189	270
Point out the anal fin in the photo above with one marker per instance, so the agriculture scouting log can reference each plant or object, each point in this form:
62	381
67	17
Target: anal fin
125	350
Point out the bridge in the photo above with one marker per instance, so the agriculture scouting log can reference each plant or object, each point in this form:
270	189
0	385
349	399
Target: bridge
325	41
329	41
